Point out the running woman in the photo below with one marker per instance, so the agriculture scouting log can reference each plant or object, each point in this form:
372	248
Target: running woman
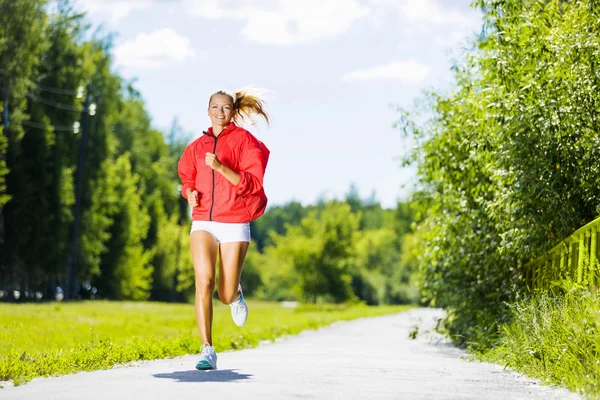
222	179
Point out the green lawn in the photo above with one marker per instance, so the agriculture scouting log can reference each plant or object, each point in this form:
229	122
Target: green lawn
53	339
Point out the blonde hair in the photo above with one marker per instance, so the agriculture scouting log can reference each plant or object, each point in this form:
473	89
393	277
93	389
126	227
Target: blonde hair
248	104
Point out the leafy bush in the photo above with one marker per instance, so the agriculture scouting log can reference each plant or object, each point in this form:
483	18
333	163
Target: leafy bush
508	160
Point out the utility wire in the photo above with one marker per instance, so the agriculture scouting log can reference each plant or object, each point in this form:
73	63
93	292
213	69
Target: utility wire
59	91
46	126
78	93
55	104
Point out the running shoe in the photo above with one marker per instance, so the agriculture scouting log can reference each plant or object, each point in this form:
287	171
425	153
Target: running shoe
208	358
239	310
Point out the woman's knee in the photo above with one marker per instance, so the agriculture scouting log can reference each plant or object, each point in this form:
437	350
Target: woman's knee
205	285
228	297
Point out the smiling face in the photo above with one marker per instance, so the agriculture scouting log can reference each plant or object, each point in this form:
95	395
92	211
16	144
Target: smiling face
220	110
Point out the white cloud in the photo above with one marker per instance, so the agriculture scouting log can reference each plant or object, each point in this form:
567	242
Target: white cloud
435	12
444	23
288	22
431	11
113	10
406	71
285	22
158	49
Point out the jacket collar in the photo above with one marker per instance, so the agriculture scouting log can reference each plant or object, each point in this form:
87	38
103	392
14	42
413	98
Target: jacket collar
228	129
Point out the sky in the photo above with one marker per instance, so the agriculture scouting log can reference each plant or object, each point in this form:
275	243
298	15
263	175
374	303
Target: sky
335	70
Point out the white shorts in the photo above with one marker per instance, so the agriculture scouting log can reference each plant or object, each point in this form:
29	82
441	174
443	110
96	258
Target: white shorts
224	232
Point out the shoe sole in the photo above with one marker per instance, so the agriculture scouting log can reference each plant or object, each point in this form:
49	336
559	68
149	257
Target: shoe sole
204	365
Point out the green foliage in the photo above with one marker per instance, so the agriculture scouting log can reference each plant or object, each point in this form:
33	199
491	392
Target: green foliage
384	266
334	251
280	281
321	249
253	278
126	272
22	41
554	339
129	187
275	221
51	339
508	160
173	278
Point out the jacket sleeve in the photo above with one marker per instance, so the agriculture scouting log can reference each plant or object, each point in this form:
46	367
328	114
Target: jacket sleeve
187	170
253	163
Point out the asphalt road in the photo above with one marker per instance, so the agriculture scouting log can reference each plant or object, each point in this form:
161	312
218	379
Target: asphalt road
370	358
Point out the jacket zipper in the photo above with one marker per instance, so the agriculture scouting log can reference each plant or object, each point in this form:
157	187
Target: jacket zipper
213	184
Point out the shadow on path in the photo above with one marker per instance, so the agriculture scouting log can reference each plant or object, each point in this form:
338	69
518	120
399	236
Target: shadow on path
219	375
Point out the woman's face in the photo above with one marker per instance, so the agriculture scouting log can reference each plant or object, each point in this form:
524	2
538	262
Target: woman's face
220	110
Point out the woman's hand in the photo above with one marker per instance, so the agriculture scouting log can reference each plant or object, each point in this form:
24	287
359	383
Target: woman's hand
192	197
212	161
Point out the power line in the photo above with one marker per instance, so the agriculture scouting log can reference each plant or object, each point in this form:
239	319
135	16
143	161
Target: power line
55	104
47	126
78	92
62	106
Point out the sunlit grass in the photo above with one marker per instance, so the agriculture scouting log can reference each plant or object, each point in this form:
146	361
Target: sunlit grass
53	339
555	339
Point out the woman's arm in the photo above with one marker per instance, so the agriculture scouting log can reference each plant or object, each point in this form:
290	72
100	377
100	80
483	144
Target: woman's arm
253	163
212	161
187	171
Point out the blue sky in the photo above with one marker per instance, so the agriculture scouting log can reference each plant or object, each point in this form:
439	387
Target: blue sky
335	70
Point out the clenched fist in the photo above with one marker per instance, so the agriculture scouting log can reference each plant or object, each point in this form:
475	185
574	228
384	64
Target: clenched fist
192	197
212	161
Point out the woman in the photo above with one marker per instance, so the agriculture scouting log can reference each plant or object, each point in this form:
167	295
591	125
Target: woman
222	179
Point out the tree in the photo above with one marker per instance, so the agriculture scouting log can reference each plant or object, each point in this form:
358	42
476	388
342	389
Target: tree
320	250
125	269
276	221
22	41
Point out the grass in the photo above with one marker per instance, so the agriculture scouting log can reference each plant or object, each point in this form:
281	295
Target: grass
555	339
54	339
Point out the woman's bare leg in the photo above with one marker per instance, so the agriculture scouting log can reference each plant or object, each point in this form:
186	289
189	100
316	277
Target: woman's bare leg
204	254
232	256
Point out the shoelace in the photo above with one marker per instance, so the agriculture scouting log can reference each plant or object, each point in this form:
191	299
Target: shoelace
207	350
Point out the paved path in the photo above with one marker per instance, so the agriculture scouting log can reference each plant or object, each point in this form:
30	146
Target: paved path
364	359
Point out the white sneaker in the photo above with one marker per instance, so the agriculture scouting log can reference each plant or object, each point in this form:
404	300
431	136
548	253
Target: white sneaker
208	358
239	310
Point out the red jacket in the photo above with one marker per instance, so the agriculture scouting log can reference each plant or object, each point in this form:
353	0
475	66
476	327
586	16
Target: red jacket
219	199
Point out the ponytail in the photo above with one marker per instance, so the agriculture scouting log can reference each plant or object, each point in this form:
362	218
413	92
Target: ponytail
248	105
